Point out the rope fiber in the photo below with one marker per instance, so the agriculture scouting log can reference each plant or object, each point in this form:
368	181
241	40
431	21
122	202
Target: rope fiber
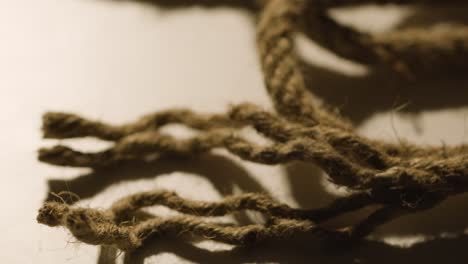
400	178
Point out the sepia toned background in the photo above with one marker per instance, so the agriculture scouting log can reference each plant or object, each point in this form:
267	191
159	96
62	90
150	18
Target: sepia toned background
118	60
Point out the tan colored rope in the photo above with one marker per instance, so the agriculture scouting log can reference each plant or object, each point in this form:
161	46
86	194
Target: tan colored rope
401	178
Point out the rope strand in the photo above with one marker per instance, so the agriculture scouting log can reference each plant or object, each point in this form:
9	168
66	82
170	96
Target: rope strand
401	178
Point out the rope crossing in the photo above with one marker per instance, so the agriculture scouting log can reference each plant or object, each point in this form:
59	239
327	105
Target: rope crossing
400	178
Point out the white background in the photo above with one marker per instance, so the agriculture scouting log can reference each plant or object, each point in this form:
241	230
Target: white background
117	61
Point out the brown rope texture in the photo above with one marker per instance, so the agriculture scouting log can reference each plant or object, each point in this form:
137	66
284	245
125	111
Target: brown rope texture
401	178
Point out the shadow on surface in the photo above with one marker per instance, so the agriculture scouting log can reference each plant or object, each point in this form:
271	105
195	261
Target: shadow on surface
221	171
305	182
440	250
177	4
359	97
426	15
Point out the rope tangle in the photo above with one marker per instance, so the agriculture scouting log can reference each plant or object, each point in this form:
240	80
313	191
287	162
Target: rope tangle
400	178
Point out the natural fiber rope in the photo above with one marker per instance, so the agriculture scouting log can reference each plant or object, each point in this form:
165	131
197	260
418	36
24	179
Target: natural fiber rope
401	178
409	50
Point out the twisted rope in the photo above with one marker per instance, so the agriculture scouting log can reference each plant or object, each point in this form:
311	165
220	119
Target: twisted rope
401	178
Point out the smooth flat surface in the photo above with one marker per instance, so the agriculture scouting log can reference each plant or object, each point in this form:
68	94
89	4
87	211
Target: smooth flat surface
117	61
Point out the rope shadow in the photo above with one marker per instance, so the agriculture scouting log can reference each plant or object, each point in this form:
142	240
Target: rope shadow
305	183
358	98
221	171
306	250
183	4
424	15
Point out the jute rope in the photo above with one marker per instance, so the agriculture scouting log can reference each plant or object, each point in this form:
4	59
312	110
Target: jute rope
401	178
